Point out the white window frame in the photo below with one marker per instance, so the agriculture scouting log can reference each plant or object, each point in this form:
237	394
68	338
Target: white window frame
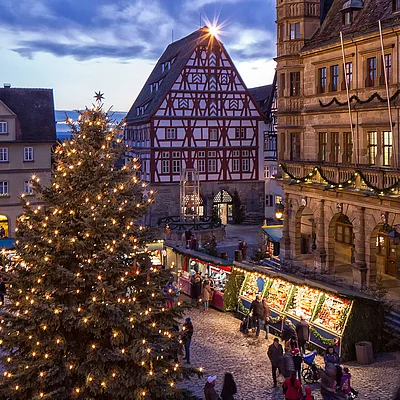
27	187
176	166
245	165
165	166
240	133
201	165
3	127
165	154
267	172
212	165
236	153
28	154
3	154
236	165
170	133
202	154
212	154
4	188
245	153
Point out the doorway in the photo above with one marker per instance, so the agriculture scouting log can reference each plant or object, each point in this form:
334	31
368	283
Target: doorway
222	203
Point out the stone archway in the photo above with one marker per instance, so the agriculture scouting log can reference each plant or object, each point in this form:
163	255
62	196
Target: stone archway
222	204
340	251
305	233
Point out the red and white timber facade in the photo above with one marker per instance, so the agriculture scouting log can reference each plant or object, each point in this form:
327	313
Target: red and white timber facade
196	112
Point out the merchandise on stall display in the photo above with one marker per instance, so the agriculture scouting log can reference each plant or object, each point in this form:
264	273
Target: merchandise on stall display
333	313
278	294
254	285
303	302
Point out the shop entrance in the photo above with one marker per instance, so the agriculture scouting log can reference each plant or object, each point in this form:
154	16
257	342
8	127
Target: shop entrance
222	204
386	251
4	226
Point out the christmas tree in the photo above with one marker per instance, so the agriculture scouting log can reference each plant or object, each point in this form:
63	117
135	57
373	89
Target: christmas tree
82	322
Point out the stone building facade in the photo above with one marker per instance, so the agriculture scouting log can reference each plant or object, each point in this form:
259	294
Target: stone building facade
27	136
340	163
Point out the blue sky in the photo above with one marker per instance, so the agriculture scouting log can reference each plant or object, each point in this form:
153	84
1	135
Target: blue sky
77	47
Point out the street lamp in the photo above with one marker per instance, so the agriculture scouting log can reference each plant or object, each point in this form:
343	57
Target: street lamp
279	211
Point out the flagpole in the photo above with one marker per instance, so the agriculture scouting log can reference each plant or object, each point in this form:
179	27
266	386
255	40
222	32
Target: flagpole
394	155
355	143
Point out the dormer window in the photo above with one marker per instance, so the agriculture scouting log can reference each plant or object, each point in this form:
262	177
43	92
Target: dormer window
350	8
162	67
347	18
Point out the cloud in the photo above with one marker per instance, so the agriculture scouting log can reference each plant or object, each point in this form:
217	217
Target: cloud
124	30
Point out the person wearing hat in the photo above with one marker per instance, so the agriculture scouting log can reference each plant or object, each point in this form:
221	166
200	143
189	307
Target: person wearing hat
275	355
297	361
209	388
187	333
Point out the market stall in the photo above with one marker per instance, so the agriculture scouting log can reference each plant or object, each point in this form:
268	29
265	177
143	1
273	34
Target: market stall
273	235
329	310
156	252
189	262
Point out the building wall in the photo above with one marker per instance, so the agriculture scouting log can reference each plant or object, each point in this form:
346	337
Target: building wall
368	210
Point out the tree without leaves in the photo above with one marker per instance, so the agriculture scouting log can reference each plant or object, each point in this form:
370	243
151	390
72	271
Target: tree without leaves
80	324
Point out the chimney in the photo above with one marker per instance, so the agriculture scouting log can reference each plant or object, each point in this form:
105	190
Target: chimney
7	85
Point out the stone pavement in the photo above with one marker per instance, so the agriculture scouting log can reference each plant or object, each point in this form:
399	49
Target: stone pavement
219	347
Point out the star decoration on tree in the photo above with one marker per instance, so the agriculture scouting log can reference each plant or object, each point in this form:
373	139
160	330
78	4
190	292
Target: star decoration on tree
99	96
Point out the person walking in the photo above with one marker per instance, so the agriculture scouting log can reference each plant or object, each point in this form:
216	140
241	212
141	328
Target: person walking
288	364
187	333
229	388
265	316
196	286
209	388
3	291
207	294
245	247
297	361
303	333
275	355
288	331
257	308
170	292
292	387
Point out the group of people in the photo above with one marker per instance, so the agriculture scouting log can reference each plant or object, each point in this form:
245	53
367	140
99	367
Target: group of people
260	315
229	388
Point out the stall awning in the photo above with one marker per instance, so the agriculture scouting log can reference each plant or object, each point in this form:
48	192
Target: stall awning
155	245
7	243
274	232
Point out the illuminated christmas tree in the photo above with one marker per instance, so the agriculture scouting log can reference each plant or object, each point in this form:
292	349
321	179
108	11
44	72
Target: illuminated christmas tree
81	321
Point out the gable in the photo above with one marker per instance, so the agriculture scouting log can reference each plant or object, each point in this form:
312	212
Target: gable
5	111
209	85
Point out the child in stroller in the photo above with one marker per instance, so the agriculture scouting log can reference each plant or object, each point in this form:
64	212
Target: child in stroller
310	372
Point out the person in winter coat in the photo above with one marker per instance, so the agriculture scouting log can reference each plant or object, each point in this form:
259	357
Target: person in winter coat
209	388
196	286
292	387
187	333
345	382
297	361
303	333
265	316
288	364
229	388
258	311
275	355
288	331
328	385
291	344
308	395
207	294
331	358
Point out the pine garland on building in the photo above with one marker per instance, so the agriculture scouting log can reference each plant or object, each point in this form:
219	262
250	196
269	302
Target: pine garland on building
80	322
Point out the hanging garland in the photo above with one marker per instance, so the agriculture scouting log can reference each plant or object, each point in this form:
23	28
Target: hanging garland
324	340
272	320
355	98
341	185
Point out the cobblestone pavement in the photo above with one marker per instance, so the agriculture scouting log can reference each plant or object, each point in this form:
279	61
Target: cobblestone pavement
219	347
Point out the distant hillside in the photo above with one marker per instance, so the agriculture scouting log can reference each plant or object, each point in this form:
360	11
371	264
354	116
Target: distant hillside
63	129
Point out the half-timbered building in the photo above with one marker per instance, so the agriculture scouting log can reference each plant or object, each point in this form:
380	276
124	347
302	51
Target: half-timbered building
195	113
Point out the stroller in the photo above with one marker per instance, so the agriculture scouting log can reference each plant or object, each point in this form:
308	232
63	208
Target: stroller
246	324
310	373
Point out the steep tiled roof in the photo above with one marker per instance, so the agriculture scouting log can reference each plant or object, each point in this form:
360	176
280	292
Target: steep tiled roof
365	21
261	95
178	52
34	109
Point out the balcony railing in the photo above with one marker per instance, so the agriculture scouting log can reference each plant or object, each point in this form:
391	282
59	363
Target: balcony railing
354	177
